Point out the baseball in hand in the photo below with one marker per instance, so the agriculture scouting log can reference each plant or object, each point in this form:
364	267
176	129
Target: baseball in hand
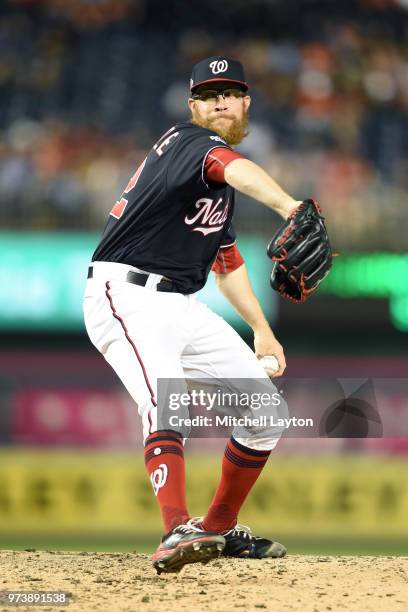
270	364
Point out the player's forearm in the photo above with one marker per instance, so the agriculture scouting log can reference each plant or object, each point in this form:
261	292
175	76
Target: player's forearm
251	179
236	287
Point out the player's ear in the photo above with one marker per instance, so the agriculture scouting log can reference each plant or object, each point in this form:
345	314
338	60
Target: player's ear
247	102
191	104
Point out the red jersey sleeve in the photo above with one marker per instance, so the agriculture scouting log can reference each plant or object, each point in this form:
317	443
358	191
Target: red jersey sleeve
216	162
228	259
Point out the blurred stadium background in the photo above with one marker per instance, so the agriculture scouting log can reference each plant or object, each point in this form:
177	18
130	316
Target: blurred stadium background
86	86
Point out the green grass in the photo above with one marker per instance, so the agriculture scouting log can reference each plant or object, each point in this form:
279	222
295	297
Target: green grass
147	543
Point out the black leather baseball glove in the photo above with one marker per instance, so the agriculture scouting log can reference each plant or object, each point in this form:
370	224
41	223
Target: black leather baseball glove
301	253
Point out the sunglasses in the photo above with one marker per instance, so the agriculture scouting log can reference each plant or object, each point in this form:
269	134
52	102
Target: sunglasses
211	95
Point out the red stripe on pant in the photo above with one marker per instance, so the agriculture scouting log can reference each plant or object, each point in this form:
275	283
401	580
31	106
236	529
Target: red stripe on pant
133	345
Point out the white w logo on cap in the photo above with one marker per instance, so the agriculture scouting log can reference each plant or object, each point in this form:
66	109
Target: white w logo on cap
218	66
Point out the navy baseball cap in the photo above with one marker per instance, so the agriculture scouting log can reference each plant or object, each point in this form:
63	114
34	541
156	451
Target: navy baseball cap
218	68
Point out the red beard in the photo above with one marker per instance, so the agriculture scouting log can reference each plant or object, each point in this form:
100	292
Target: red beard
233	134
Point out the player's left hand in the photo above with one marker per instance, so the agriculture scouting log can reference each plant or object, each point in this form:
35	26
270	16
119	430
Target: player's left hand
265	343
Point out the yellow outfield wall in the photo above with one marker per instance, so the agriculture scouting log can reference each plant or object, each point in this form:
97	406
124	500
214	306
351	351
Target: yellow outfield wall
90	493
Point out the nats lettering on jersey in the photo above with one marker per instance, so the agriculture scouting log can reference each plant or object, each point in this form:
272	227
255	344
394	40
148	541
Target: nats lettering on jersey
170	220
210	217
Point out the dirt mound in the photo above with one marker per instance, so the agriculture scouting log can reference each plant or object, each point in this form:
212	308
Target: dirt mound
127	582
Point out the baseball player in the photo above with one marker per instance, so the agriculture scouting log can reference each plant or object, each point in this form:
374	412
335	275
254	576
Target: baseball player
172	225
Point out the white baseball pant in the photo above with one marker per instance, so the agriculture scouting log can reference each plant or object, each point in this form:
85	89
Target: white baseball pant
145	334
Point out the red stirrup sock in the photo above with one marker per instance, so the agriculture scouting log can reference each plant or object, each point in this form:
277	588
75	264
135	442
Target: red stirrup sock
241	467
164	459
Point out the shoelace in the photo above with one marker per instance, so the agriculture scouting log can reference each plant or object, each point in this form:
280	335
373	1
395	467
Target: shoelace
238	530
184	528
195	523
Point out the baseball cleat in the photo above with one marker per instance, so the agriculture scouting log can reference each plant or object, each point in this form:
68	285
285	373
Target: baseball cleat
186	544
239	542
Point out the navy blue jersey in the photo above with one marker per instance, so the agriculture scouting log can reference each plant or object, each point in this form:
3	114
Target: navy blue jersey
169	220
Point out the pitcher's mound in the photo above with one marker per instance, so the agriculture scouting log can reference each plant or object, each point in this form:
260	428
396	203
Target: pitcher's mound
105	581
